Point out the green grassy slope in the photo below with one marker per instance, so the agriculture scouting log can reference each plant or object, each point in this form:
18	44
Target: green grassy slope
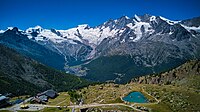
21	75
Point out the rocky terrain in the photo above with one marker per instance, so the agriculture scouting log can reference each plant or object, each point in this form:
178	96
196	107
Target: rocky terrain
181	76
147	44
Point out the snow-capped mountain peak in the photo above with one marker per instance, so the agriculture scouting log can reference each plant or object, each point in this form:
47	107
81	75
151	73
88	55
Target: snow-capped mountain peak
149	40
10	28
140	26
36	29
169	21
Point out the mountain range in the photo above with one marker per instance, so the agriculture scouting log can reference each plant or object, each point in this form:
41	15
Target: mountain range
116	50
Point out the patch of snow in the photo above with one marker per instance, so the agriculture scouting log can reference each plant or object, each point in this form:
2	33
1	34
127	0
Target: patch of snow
96	35
29	36
71	33
169	21
37	29
2	31
153	18
45	34
9	28
191	28
123	40
82	26
131	38
171	32
130	25
48	34
72	42
121	31
93	35
137	18
127	17
102	27
137	29
134	21
21	30
107	32
138	33
39	38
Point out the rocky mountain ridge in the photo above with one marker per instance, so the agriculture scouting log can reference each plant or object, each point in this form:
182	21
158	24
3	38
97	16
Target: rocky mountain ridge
181	76
151	42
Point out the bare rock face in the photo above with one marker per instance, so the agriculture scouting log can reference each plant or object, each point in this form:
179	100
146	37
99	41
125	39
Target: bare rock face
152	43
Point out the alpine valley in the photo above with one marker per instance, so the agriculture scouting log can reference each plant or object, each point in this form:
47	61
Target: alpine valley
115	51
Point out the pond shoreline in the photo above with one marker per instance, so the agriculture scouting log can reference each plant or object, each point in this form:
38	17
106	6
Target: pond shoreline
135	97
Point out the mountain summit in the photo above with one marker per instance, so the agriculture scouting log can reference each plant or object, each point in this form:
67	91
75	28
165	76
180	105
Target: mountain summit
116	50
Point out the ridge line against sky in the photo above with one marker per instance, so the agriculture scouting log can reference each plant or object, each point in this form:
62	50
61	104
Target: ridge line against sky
65	14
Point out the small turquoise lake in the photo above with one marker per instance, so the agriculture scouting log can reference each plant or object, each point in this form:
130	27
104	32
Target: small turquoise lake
135	97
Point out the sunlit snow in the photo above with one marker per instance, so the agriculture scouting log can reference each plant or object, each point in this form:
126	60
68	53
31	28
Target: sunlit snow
191	28
169	21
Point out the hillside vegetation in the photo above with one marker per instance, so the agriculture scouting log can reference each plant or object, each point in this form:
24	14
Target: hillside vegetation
166	94
120	69
175	90
185	75
21	75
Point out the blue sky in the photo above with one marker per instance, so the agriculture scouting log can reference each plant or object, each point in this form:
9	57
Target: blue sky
64	14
